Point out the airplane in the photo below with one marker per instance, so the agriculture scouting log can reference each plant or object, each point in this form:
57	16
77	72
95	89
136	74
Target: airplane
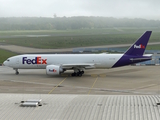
55	64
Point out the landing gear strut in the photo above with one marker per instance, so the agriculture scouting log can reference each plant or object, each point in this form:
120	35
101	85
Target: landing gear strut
16	71
79	73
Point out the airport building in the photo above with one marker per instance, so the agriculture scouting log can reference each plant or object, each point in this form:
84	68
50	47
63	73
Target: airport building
81	107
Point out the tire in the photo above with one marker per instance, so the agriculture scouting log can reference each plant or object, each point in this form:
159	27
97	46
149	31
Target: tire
17	73
77	74
82	72
73	74
80	75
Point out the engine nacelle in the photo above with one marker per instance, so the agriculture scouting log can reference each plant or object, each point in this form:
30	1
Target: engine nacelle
53	70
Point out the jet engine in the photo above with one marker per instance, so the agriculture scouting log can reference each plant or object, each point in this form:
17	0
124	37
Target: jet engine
53	70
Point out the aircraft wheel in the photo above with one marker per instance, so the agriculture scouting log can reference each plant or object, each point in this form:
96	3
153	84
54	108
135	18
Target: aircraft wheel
73	74
17	73
82	72
77	74
80	75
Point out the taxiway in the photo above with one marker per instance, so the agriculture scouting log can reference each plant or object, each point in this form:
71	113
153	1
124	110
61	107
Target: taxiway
129	80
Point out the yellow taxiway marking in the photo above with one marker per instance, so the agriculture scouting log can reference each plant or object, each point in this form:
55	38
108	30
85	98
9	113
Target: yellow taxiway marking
57	86
92	85
64	75
102	75
94	75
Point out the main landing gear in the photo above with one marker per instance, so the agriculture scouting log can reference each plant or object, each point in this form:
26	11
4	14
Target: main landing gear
79	73
16	71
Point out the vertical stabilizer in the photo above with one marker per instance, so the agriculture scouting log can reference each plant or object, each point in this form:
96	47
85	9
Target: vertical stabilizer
138	48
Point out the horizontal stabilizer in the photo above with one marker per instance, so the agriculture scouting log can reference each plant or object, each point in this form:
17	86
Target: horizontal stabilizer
139	59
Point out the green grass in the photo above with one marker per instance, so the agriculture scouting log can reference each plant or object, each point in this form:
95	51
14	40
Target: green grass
76	38
153	47
55	42
4	54
79	31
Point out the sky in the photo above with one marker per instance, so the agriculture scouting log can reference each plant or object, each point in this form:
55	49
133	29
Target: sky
147	9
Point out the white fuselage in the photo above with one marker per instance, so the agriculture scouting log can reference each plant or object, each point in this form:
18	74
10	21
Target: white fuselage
40	61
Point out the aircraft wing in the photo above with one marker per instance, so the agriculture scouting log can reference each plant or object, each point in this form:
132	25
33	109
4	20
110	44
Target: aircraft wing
78	65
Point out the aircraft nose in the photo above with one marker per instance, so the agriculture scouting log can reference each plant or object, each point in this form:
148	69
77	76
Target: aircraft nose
4	63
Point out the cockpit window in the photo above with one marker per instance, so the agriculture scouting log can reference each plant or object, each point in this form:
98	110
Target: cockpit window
8	60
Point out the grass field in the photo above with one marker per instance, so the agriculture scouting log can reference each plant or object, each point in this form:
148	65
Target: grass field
75	38
153	47
5	54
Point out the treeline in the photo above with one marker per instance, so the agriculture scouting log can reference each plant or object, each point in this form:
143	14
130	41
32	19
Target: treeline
64	23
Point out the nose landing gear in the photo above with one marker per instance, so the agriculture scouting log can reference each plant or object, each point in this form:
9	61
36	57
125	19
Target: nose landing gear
16	71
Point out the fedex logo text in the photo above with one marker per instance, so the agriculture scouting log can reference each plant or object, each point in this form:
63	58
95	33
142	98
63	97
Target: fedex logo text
52	70
139	46
37	60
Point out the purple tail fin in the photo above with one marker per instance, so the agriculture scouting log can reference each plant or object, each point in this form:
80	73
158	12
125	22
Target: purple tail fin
138	48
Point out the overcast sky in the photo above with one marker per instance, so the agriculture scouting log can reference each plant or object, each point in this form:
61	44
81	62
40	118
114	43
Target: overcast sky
149	9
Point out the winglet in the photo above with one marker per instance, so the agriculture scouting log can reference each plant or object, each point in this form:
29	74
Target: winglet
140	45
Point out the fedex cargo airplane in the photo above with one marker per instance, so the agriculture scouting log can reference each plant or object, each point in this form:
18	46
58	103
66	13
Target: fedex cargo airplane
56	64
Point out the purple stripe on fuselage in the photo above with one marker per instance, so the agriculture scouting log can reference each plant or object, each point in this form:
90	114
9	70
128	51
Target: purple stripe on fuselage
127	60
